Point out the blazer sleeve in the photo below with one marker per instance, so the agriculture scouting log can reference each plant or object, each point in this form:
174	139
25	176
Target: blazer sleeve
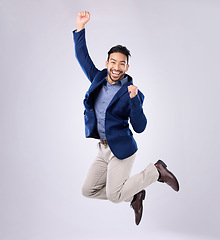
82	55
138	119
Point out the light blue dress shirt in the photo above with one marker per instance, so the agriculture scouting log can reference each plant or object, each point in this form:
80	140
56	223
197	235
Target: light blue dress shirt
104	98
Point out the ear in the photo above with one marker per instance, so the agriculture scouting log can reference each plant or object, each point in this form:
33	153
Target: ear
106	64
127	67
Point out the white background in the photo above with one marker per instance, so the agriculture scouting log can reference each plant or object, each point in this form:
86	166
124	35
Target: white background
44	155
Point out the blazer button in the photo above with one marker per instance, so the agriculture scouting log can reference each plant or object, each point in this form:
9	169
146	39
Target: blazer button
91	109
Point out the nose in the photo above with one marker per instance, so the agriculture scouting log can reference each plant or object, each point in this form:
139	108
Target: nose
116	66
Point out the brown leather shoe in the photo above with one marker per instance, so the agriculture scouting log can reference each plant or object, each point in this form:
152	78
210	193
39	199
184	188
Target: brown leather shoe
166	176
137	205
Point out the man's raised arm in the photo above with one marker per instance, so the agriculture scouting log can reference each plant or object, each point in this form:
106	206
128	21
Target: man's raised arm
81	51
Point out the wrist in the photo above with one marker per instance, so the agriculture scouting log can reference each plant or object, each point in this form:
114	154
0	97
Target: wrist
133	95
80	27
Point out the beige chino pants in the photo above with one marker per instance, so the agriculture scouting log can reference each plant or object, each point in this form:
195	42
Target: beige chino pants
109	177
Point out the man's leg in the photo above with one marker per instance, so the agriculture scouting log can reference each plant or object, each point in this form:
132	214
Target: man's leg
95	183
121	187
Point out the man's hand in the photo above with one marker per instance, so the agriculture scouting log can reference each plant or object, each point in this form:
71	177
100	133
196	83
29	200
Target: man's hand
82	19
133	90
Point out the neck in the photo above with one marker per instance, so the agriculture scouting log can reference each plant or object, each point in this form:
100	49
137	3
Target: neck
111	81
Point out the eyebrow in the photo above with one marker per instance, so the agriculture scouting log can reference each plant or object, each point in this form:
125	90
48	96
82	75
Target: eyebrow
116	61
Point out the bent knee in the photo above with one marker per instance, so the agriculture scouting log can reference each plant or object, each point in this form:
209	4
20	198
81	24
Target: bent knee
86	192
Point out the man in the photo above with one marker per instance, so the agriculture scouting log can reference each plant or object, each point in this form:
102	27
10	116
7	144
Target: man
111	102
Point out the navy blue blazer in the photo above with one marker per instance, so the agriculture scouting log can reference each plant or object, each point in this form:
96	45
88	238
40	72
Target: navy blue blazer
120	111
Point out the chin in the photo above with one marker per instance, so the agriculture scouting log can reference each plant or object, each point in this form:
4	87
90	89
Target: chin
117	79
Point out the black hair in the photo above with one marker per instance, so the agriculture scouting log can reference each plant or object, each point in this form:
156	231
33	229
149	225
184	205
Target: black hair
120	49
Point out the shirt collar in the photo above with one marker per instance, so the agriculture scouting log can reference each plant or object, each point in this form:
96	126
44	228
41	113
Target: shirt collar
119	82
124	80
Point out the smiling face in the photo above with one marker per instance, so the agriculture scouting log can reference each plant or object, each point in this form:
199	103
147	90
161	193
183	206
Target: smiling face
116	66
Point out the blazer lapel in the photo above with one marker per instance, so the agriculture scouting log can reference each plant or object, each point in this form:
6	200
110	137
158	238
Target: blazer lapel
98	81
122	91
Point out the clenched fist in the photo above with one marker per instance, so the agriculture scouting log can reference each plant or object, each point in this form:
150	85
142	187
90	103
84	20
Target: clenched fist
82	19
133	90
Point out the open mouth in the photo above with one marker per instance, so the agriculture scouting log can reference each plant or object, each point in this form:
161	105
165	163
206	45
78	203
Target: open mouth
116	74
